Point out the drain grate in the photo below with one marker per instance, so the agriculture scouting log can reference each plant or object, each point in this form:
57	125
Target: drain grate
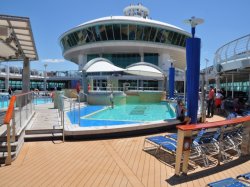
139	110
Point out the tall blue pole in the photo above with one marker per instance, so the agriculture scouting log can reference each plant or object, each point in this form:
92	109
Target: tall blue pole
193	75
171	81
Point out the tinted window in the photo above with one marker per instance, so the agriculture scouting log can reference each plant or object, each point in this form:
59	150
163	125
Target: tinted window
102	31
158	35
132	31
117	31
96	33
147	31
90	35
139	32
109	30
152	34
124	32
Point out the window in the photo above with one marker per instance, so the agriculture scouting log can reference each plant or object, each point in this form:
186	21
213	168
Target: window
132	31
124	32
103	33
109	30
117	31
147	31
139	32
152	34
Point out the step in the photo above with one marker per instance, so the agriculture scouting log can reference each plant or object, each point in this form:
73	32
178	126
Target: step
4	155
3	146
43	131
43	137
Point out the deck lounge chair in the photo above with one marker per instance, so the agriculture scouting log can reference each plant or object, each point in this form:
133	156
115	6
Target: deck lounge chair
227	182
245	176
169	145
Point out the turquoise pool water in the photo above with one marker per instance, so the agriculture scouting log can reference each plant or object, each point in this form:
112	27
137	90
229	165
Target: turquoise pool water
121	114
136	112
5	103
38	101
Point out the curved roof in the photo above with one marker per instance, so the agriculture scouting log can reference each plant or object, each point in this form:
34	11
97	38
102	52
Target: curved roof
132	19
100	65
144	69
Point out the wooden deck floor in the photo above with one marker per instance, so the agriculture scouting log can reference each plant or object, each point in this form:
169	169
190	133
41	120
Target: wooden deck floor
115	162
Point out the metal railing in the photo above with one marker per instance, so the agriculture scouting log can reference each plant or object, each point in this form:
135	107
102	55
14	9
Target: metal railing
20	110
236	49
72	106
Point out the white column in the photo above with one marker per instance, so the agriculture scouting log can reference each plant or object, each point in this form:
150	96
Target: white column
26	75
232	86
142	57
82	61
249	89
217	79
164	62
7	78
226	86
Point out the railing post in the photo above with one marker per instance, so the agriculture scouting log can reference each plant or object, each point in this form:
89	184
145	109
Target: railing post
8	158
63	126
13	137
180	151
79	108
245	146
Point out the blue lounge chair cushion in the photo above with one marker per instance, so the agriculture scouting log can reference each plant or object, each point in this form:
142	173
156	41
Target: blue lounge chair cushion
173	136
170	145
245	176
165	142
157	139
227	182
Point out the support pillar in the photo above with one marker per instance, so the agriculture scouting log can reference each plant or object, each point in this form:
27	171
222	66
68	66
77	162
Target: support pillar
7	78
249	89
142	57
84	81
232	86
193	46
226	86
26	76
217	80
171	81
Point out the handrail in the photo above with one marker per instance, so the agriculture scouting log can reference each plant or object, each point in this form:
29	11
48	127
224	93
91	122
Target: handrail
212	124
10	110
21	94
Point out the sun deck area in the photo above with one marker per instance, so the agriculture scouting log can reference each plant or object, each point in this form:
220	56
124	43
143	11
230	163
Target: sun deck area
112	162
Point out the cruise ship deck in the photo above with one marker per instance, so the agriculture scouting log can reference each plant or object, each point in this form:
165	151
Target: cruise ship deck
107	162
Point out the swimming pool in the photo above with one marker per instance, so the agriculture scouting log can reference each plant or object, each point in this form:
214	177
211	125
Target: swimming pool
4	102
91	116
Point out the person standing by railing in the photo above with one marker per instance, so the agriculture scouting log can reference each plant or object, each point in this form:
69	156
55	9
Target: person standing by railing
210	103
111	97
10	92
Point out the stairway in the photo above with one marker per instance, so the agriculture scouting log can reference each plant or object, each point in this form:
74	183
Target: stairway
45	126
15	146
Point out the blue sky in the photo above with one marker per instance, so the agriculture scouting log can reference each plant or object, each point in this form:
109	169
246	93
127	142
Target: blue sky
225	20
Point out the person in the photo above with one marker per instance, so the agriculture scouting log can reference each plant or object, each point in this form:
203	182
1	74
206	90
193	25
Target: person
180	112
111	97
218	99
78	87
236	105
210	103
10	92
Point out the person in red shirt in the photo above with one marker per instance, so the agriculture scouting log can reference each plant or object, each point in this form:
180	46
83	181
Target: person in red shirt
78	87
210	103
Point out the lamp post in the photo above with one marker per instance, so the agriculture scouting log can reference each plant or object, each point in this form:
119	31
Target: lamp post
45	77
